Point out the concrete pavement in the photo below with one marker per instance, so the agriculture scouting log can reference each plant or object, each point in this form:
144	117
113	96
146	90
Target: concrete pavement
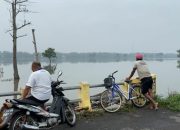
139	119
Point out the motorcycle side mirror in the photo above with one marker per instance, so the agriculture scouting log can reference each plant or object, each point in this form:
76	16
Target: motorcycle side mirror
60	73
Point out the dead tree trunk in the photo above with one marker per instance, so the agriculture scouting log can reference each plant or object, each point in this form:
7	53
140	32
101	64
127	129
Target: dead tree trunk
35	47
16	74
18	6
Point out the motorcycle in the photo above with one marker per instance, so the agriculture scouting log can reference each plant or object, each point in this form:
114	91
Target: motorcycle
24	115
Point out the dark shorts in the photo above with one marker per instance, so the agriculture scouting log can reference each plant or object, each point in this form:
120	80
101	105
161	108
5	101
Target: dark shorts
34	100
146	84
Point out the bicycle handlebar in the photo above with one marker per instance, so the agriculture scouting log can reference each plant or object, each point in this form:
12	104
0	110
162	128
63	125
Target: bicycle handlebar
114	72
127	81
112	75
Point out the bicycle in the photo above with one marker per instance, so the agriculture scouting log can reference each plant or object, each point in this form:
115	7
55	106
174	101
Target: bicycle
111	98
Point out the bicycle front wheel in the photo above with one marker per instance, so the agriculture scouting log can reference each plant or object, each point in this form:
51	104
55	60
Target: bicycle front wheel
111	100
138	99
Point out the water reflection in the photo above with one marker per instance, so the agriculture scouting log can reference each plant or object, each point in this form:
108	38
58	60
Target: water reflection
16	83
2	75
1	72
50	68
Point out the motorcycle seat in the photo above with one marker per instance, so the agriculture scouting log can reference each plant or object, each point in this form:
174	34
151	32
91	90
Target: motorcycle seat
27	101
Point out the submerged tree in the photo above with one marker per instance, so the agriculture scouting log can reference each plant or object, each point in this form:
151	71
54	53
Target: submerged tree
17	7
50	54
178	55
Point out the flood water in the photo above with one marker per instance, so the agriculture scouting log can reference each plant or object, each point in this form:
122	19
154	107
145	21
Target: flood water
94	73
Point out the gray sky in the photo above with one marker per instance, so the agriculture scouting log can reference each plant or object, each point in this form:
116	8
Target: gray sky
122	26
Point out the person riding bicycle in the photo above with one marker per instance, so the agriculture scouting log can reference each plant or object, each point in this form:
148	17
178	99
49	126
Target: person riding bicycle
37	89
146	79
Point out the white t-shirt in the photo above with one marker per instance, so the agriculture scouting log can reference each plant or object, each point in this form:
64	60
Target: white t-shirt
40	83
142	69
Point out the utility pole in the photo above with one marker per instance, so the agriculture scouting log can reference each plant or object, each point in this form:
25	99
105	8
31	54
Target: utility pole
35	47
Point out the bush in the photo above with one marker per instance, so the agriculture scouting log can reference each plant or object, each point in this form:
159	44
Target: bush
171	102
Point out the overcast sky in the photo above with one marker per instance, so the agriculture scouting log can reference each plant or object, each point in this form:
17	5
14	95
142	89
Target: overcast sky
122	26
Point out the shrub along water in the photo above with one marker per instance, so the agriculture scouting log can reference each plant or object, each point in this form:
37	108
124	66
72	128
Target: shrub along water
171	102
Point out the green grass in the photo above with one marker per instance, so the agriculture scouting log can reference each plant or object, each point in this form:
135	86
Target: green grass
84	114
171	102
127	108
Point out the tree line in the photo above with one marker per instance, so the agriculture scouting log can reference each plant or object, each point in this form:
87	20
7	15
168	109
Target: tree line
52	56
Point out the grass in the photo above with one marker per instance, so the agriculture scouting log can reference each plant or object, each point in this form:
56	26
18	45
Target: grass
84	114
172	102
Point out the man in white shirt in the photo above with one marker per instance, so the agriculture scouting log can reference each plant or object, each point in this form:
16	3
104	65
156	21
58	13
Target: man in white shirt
38	86
37	89
146	79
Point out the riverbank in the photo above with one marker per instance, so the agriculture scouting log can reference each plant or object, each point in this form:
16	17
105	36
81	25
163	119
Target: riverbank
172	102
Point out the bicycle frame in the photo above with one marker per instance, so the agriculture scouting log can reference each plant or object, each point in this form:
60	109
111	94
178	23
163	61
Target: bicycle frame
124	93
116	87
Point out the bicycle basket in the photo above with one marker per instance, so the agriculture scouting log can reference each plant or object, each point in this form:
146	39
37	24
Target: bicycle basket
108	82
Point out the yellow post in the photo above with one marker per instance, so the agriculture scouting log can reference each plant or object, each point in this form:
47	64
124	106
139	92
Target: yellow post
84	96
124	87
138	82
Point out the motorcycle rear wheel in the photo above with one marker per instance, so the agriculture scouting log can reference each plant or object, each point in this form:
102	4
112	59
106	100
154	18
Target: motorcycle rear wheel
19	119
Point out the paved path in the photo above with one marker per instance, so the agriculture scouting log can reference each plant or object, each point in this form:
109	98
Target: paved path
140	119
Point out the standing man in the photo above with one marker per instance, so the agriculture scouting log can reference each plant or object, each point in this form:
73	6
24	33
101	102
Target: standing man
146	79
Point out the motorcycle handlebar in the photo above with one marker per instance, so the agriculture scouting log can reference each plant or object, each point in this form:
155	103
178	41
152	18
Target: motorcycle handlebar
56	83
60	88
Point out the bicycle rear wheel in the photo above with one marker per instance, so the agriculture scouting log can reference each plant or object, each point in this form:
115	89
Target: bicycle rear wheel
111	100
139	99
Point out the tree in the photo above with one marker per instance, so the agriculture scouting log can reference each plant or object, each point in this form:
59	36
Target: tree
178	61
17	7
178	51
50	54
